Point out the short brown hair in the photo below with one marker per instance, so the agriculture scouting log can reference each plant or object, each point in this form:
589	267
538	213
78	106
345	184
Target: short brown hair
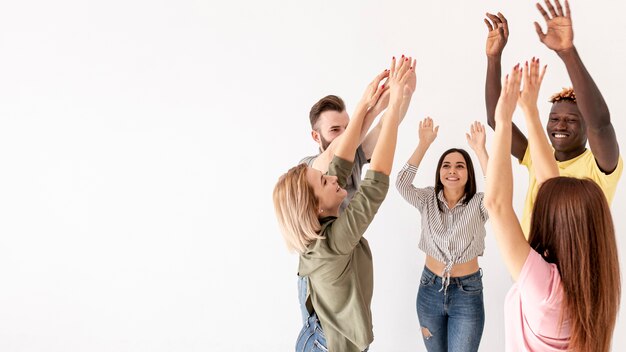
567	94
572	227
327	103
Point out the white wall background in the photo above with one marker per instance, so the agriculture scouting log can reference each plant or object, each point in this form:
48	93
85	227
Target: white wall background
140	142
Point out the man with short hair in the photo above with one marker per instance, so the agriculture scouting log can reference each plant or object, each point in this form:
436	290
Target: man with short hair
329	120
573	119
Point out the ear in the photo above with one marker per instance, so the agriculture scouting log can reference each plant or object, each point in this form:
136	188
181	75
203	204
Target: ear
316	137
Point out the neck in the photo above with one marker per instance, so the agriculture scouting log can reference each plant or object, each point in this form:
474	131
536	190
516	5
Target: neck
453	196
570	154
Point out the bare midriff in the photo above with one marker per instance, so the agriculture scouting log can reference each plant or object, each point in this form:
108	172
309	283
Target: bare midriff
461	269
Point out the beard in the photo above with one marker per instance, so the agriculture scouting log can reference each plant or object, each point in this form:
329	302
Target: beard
325	143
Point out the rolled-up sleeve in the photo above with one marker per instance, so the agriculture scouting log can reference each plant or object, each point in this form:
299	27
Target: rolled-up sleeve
350	226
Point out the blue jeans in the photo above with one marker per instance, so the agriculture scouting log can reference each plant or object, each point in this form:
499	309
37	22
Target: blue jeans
311	337
452	320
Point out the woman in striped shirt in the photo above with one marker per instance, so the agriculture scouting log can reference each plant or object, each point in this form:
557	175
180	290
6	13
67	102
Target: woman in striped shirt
450	298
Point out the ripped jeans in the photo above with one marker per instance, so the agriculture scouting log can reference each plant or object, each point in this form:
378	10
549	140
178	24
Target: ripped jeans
452	320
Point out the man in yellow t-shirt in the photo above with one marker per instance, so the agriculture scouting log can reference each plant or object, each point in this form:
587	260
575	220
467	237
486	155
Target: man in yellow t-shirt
574	118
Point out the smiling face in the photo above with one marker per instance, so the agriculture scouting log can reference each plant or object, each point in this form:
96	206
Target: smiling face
327	190
453	171
329	126
566	130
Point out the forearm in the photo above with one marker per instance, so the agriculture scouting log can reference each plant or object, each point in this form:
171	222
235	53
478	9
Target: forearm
350	139
370	116
499	185
540	150
382	157
418	154
588	97
483	159
493	86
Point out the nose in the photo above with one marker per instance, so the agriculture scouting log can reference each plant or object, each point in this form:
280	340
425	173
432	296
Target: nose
561	125
333	179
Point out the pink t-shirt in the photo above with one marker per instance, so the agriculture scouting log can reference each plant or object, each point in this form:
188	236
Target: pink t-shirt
532	309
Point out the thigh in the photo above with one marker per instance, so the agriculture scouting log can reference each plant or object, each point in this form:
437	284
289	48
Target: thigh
466	316
311	337
432	316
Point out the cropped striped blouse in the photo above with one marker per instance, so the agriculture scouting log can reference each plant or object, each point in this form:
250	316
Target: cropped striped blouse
452	236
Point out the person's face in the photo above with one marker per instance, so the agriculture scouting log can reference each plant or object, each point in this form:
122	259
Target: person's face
330	125
565	127
453	172
327	190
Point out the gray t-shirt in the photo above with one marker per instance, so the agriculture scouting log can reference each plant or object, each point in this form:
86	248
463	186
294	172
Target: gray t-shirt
355	178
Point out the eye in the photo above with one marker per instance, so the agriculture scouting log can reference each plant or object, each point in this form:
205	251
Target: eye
445	166
461	166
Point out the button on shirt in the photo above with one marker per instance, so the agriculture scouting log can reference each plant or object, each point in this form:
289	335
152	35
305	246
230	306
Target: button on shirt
452	236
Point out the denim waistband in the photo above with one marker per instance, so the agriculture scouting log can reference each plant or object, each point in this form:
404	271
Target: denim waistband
459	280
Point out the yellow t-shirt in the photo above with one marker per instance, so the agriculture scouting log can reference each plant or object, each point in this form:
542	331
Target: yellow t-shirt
582	166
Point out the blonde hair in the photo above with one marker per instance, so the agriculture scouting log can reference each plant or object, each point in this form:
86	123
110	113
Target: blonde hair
295	205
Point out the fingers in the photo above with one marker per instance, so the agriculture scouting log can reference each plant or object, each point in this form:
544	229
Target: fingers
551	8
505	24
380	77
567	12
495	19
543	72
436	130
543	12
512	81
489	26
392	67
540	32
559	8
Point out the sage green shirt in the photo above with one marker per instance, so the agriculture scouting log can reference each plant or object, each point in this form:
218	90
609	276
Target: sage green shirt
339	266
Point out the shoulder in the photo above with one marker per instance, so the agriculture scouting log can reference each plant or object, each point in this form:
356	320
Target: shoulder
309	160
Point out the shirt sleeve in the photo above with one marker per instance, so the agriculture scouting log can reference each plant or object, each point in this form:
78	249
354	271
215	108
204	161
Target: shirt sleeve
347	230
341	168
308	160
483	211
404	183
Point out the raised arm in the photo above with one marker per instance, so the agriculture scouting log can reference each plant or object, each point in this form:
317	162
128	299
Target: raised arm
476	140
560	38
497	37
400	73
499	184
540	150
371	138
350	138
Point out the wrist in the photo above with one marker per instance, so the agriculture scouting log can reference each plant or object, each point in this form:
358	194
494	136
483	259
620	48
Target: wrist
530	109
494	57
567	52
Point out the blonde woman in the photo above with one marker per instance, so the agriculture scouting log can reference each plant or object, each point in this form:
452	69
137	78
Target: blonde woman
333	253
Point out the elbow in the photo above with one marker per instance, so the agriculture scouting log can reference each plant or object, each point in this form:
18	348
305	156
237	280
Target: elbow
496	205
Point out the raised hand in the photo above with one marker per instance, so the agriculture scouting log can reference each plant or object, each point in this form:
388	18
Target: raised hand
476	138
498	34
400	75
426	132
560	35
509	95
374	90
532	79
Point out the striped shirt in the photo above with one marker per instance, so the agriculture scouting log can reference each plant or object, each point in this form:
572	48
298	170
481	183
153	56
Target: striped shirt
451	236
